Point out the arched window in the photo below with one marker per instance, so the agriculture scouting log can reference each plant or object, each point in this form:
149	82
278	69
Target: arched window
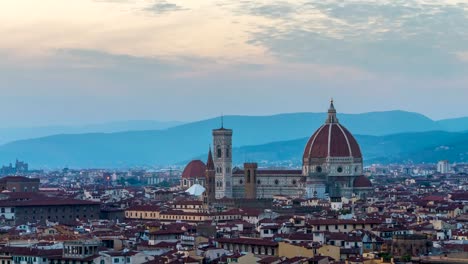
248	176
218	152
227	152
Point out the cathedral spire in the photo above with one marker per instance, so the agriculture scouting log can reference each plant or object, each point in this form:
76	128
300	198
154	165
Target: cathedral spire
332	114
210	162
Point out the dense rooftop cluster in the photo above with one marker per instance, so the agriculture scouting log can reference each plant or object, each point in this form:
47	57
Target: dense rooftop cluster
96	216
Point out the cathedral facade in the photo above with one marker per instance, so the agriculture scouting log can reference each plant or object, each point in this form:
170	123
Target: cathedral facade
332	166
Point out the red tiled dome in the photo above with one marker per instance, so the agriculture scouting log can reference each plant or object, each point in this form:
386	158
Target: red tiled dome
362	182
195	169
332	140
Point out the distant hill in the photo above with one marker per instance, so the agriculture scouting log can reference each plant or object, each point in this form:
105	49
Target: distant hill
454	124
19	133
184	142
418	147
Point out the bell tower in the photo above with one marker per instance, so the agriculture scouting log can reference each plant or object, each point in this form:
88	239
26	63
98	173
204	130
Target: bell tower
250	179
222	149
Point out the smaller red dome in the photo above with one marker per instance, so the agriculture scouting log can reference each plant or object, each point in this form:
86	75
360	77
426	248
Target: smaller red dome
195	169
362	182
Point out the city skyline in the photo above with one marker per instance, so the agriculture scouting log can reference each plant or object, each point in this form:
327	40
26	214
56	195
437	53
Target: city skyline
89	61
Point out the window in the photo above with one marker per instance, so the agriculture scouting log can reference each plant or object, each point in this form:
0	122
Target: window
102	261
258	182
318	169
276	182
116	260
339	170
3	210
227	152
248	176
294	182
241	181
219	152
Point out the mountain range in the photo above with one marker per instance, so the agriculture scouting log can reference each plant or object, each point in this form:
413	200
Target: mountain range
416	147
386	137
9	134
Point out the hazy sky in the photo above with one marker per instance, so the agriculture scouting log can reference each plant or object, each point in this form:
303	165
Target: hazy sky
85	61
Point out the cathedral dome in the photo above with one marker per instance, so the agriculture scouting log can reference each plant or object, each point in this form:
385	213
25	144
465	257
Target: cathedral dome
195	169
332	140
362	182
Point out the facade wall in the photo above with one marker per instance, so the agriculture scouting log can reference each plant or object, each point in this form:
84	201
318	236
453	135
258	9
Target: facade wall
137	214
291	251
268	186
342	228
20	185
64	214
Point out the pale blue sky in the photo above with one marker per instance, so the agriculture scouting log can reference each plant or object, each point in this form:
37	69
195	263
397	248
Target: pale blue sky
88	61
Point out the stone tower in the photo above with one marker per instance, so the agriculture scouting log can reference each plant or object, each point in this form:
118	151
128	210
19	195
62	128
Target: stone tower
210	176
222	146
250	179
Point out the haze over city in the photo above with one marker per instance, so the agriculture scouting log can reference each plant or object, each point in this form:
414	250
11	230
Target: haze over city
81	62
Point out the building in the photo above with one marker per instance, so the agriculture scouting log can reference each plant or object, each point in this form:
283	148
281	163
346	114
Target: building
332	160
194	173
222	144
20	167
332	166
410	245
252	245
19	184
443	166
23	208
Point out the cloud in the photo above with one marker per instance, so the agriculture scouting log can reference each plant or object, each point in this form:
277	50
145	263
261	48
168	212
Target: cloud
463	56
288	53
163	7
397	37
269	10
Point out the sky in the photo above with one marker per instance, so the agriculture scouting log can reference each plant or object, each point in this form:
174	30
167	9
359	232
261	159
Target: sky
89	61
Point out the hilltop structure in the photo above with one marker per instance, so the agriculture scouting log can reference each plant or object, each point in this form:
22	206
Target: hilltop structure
332	167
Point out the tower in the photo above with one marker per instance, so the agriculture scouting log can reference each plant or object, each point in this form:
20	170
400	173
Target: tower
209	195
250	179
222	146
